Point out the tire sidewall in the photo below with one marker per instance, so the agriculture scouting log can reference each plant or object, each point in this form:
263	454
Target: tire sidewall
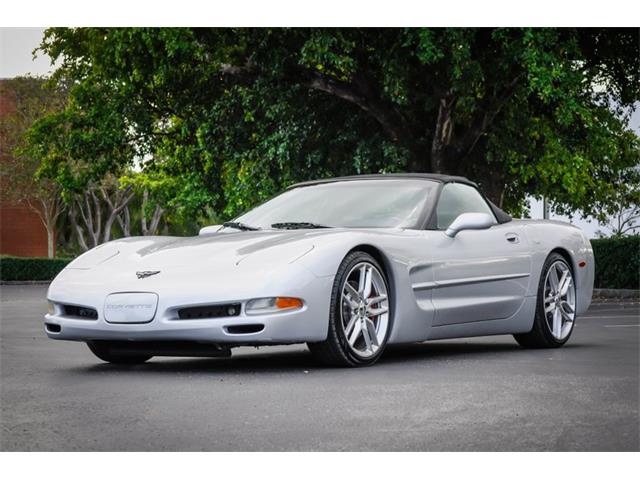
336	318
541	318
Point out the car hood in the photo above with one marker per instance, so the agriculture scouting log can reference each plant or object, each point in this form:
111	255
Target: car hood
233	264
219	249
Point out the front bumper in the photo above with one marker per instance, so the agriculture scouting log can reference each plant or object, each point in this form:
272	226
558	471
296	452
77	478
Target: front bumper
309	323
287	327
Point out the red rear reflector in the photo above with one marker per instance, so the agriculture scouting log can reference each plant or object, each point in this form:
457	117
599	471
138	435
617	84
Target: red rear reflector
582	264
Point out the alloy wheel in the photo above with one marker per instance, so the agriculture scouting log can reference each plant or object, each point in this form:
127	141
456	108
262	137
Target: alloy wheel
365	309
559	300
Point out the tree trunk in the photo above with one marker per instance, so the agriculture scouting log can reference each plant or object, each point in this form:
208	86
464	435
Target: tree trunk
124	220
152	227
82	241
90	211
107	228
155	220
443	134
493	187
120	200
51	238
49	210
89	207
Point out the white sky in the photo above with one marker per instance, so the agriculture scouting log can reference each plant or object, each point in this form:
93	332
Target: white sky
17	45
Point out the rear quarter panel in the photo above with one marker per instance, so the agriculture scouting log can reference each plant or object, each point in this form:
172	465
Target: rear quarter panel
545	236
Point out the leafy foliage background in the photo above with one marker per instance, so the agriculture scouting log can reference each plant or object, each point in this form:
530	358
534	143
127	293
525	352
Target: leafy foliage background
220	119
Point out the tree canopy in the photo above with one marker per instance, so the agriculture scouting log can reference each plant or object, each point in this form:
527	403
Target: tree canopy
228	117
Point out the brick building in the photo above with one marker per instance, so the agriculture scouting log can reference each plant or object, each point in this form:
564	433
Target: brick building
21	230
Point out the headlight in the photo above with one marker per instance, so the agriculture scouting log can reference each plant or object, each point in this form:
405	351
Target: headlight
262	306
52	307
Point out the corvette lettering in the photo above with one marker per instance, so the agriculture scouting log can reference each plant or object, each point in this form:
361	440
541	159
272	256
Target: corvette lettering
129	306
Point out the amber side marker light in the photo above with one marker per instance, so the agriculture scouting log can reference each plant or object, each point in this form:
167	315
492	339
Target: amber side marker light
261	306
582	264
288	302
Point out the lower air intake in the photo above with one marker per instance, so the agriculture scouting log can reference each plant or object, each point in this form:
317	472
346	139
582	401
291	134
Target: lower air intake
77	311
209	311
244	329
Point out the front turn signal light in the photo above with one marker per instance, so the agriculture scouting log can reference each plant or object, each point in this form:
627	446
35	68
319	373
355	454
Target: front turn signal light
288	302
262	306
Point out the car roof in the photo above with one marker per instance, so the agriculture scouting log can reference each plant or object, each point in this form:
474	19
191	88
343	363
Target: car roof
389	176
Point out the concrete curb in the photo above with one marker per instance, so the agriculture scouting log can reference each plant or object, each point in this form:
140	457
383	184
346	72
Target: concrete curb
25	282
604	294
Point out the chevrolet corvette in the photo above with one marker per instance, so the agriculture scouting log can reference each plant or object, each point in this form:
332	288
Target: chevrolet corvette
346	265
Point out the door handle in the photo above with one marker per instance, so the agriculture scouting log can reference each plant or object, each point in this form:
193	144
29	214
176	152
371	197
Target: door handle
512	238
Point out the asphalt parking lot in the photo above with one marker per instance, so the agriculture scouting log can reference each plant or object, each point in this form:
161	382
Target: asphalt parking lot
470	394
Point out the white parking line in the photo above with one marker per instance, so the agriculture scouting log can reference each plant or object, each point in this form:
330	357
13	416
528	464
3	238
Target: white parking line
616	326
613	310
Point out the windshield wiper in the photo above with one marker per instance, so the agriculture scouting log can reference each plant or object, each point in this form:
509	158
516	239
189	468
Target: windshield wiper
239	226
296	225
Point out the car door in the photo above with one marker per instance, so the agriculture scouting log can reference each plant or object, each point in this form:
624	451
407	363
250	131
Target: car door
478	274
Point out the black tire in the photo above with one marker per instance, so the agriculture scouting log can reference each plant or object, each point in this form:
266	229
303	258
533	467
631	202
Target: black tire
335	350
102	350
540	335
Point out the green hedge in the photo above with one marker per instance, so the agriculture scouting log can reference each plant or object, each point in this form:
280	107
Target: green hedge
617	262
28	269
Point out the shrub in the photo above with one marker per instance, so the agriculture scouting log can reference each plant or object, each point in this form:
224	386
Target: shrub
28	269
617	262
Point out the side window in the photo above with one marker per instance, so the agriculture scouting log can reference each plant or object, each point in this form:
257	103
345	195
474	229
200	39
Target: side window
457	198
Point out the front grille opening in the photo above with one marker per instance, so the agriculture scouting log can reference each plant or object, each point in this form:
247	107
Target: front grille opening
210	311
244	329
52	327
77	311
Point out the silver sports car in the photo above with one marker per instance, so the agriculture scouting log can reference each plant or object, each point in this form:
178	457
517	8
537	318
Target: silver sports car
347	265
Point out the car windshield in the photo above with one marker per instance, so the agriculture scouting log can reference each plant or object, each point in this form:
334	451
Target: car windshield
389	203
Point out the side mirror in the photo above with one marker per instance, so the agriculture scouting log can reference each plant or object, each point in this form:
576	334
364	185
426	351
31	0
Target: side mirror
209	229
469	221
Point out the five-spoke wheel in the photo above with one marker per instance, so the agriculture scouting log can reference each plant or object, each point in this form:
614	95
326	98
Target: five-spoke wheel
360	317
556	307
365	309
559	300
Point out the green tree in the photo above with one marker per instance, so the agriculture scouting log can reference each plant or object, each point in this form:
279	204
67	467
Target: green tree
236	114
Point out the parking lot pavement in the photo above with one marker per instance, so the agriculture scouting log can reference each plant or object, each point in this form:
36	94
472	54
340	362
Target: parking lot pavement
468	394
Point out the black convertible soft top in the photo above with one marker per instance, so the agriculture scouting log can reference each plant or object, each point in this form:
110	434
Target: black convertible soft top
501	216
437	177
